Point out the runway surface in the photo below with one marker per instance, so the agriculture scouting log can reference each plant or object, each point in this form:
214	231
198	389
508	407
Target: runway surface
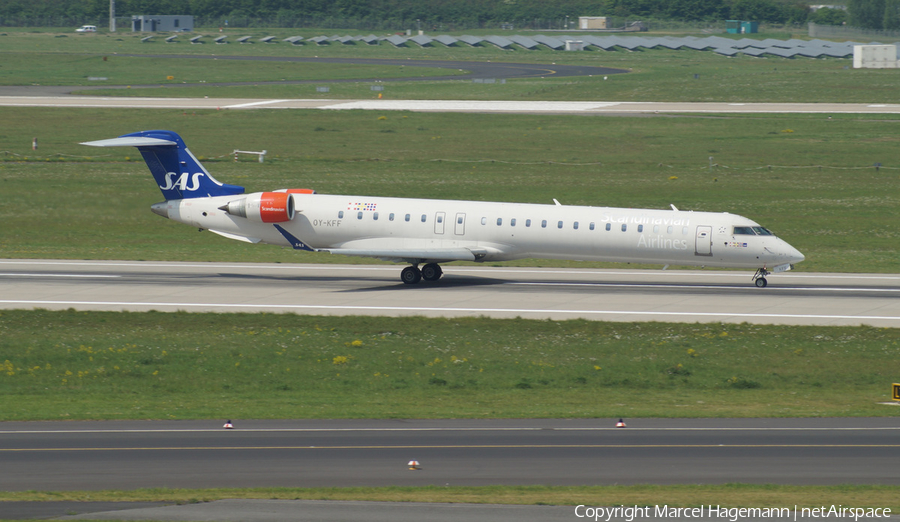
795	298
321	453
475	106
313	453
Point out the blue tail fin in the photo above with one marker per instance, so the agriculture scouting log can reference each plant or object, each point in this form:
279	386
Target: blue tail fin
176	171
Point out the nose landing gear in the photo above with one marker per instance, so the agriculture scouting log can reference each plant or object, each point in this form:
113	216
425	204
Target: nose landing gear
759	278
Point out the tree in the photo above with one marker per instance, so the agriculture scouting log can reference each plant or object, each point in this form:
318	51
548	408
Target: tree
829	16
891	21
868	14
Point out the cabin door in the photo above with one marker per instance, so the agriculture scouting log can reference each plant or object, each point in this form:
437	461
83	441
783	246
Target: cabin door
460	224
439	222
703	243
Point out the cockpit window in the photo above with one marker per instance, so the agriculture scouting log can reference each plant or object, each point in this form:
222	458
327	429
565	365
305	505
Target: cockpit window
752	231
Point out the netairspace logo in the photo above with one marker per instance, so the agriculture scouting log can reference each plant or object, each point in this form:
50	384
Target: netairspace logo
631	513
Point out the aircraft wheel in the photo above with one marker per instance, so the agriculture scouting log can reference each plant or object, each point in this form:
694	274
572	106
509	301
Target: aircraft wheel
411	275
432	272
761	282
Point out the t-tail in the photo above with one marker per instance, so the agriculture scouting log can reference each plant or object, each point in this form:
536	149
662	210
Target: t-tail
177	172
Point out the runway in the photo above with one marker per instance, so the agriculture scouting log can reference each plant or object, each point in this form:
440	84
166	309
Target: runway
794	298
314	453
472	106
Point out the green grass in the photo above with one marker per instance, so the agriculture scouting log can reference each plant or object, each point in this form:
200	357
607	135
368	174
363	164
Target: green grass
76	69
80	365
728	495
821	193
657	75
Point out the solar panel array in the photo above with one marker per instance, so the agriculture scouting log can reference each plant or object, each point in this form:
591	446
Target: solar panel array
717	44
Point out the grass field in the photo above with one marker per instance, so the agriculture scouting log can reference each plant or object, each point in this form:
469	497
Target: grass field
75	365
730	495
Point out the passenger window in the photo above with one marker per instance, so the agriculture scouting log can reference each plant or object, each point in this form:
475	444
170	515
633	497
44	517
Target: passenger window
459	220
608	227
656	229
624	226
499	221
407	217
684	230
669	230
440	219
359	215
341	215
512	222
575	225
484	221
640	228
559	224
423	218
527	223
544	224
391	216
375	216
592	226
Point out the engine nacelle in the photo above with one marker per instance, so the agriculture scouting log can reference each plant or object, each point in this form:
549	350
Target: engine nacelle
265	207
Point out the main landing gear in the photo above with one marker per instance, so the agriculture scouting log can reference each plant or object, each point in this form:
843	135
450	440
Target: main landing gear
412	274
759	278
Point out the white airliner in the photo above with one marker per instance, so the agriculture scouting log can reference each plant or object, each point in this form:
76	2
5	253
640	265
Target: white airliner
428	232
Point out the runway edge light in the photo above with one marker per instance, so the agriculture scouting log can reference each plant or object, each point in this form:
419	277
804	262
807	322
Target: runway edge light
620	424
896	394
228	425
414	465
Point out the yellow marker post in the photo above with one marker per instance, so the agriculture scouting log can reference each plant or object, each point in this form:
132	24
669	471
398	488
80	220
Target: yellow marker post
896	394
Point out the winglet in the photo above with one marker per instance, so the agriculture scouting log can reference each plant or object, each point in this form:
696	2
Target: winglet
296	244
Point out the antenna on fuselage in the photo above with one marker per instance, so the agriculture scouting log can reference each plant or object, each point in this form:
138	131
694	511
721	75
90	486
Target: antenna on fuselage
673	207
558	204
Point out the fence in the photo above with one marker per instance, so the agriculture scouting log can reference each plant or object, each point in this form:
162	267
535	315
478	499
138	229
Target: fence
840	31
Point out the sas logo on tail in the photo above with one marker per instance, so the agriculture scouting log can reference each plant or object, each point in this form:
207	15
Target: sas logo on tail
182	181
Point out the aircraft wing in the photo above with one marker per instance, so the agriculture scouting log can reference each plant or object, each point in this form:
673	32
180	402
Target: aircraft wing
405	255
418	255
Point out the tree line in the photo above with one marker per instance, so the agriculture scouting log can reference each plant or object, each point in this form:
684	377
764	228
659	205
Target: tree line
444	14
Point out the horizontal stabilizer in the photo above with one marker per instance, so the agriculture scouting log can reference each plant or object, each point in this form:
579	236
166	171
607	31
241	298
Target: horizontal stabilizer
131	141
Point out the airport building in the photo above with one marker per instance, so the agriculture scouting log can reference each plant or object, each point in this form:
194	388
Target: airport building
166	23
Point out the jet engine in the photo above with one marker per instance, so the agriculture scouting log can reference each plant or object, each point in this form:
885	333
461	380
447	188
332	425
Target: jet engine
265	207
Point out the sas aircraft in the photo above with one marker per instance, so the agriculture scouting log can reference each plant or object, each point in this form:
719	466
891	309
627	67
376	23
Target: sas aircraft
425	233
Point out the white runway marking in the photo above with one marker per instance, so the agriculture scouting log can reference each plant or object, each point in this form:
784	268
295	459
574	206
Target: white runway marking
439	429
710	287
86	276
253	104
